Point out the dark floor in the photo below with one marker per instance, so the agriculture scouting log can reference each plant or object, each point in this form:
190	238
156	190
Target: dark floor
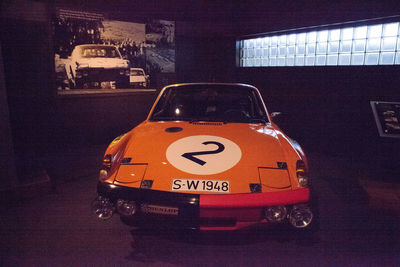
59	229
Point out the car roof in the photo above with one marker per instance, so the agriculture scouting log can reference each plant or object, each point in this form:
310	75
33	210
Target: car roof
238	85
94	45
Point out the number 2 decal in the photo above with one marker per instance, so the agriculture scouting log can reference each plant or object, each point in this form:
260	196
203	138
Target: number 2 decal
191	155
203	154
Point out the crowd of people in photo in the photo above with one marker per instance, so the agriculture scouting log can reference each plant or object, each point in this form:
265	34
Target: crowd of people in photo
129	50
70	32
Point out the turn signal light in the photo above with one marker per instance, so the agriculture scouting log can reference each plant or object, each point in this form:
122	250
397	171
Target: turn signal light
302	173
103	175
105	167
107	162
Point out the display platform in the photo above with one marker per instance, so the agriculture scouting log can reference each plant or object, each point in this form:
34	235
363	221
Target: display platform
102	92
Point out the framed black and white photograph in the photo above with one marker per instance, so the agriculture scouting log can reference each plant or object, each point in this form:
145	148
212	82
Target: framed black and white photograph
95	54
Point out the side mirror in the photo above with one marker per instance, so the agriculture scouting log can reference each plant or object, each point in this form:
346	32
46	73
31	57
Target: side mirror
275	115
278	118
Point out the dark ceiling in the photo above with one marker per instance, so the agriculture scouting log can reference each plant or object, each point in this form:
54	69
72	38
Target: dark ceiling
232	17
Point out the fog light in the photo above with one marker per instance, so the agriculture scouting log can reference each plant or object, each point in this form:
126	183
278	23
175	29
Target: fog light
103	207
275	213
300	216
121	72
126	208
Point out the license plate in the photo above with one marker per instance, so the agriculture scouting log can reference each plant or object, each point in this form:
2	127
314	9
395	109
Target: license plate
197	185
146	208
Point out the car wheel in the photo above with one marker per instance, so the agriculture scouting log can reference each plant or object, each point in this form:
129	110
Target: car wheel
78	85
71	85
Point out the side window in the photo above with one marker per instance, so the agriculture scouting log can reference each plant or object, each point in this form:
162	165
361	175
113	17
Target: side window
162	107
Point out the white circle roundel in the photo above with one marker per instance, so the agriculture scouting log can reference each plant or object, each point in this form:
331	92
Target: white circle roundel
203	154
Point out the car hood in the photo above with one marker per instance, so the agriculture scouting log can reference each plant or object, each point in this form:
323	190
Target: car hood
100	62
135	78
234	152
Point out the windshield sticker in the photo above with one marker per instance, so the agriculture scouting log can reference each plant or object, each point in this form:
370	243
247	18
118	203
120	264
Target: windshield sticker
203	154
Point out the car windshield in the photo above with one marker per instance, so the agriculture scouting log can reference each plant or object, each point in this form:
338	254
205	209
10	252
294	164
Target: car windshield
99	51
137	73
222	103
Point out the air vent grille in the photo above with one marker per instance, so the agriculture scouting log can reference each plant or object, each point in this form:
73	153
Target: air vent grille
208	123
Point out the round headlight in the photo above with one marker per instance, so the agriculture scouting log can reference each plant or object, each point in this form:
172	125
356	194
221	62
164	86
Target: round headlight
275	213
126	208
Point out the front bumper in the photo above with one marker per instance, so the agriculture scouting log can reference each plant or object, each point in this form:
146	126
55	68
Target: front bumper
205	212
88	75
187	204
138	84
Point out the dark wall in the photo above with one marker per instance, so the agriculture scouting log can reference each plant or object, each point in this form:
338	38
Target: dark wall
327	108
99	118
37	114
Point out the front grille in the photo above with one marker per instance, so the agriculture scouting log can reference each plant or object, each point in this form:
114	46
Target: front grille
100	74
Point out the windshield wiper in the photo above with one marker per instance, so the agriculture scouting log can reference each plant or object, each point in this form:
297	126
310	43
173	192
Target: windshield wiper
162	119
207	120
258	120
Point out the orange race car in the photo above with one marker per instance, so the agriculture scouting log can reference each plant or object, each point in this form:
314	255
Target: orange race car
207	157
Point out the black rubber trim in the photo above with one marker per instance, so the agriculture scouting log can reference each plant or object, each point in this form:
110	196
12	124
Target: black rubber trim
129	193
188	204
